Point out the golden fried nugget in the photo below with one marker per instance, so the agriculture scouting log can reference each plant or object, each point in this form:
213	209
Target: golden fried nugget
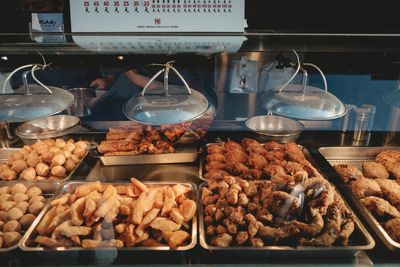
164	224
139	185
45	222
176	238
46	241
77	209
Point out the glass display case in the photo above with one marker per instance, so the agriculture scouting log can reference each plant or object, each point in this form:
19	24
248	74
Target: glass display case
267	138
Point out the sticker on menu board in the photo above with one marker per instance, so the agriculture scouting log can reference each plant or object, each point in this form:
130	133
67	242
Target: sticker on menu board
47	22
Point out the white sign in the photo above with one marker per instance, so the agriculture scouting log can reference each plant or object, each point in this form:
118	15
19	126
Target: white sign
157	16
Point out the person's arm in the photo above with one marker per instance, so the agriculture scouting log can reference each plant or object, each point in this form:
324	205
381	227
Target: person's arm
103	83
141	80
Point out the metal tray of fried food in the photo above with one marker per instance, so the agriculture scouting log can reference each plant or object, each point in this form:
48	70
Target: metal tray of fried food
183	154
27	239
48	191
360	240
5	152
356	156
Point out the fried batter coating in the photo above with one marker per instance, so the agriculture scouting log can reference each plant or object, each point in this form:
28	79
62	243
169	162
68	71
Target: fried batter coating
216	157
236	168
215	165
215	149
391	191
380	207
236	155
375	170
363	187
256	161
392	227
247	142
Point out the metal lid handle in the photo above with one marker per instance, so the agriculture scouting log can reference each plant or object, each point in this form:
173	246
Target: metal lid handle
166	69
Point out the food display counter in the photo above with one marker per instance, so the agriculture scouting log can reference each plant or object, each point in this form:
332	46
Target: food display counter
170	141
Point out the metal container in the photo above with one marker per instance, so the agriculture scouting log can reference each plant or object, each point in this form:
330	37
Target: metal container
48	190
356	156
26	241
182	154
278	128
5	152
47	127
361	240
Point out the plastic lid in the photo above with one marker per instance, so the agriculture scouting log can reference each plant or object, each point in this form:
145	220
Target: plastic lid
38	103
309	104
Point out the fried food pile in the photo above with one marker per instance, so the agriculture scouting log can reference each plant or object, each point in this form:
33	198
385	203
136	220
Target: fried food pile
378	188
51	159
252	160
135	141
297	206
103	215
19	207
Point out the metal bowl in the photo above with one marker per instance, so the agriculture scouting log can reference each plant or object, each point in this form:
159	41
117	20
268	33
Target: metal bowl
47	127
278	128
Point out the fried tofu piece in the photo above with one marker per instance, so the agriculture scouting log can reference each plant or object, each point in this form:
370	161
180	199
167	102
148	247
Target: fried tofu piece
66	229
77	209
90	243
138	184
46	241
147	219
46	221
188	209
169	200
128	236
59	219
142	205
86	189
175	239
164	225
180	189
176	216
63	200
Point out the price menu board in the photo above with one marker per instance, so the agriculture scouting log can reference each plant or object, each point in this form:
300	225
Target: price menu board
157	16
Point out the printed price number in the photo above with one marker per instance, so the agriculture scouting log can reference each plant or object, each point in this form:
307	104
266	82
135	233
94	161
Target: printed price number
136	3
86	3
126	3
146	3
106	3
116	3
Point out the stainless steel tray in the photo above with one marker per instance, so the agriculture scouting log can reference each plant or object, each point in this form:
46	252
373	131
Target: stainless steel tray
183	154
48	190
356	156
30	235
361	240
5	152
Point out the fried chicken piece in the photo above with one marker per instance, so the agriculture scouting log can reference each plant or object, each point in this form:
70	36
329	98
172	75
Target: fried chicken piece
392	227
215	165
380	207
236	155
153	135
390	190
391	160
215	149
257	149
292	167
116	146
250	142
236	168
308	229
374	170
232	145
348	172
164	225
276	157
165	147
256	242
294	153
331	230
346	231
175	239
46	241
216	175
222	240
273	145
216	157
253	174
271	170
271	233
256	161
242	237
282	181
363	187
284	204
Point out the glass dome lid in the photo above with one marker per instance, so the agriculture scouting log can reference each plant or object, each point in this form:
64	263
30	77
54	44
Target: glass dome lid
168	105
303	101
32	101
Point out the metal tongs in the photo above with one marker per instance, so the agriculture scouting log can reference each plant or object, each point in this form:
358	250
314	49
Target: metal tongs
167	67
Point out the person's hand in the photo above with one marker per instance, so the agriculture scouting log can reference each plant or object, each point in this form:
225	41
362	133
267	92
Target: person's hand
102	83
